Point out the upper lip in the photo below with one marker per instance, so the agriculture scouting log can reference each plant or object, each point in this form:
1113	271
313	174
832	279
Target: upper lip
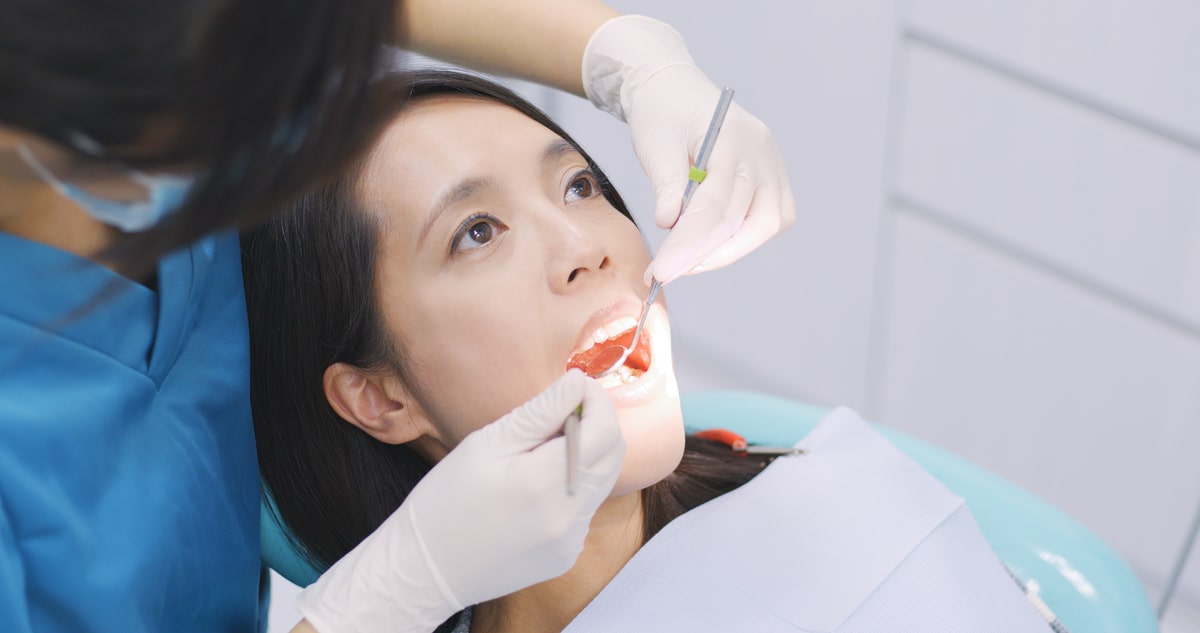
623	307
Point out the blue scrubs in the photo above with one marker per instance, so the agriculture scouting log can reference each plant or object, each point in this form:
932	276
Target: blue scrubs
129	489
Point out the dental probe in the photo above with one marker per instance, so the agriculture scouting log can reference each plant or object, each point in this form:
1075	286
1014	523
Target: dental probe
696	175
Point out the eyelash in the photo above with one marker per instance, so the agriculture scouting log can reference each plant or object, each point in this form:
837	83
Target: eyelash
470	222
592	179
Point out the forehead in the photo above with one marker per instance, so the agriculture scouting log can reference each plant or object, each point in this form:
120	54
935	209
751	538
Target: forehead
439	142
449	136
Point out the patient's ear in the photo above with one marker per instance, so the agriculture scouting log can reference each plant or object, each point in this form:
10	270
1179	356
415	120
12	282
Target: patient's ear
376	403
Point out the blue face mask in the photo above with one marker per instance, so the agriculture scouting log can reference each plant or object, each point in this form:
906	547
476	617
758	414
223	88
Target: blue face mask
165	195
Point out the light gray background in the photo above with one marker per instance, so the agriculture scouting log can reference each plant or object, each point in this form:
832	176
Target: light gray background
996	248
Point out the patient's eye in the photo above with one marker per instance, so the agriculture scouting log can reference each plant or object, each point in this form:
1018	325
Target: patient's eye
583	185
476	231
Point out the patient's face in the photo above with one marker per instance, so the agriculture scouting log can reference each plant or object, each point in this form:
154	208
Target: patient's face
501	263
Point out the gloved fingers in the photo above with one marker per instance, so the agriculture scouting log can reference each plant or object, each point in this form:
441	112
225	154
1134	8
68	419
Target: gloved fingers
715	214
668	156
787	200
543	469
667	149
668	194
542	417
601	444
771	208
663	153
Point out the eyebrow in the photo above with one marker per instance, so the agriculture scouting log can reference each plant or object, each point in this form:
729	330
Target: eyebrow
472	187
557	149
462	191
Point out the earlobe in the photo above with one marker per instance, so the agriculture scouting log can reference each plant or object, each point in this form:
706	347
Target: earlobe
363	400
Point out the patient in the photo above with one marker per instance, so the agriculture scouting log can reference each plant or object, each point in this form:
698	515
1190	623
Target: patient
471	257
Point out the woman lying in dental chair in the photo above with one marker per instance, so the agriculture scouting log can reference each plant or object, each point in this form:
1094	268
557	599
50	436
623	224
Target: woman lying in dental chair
472	256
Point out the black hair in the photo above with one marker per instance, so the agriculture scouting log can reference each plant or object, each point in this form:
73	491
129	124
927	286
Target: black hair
263	98
311	296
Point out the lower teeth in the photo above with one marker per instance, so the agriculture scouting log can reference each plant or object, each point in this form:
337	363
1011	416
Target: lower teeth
622	376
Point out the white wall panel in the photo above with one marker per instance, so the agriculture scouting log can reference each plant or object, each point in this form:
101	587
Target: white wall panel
1187	608
791	318
1140	56
1181	617
1087	404
1103	199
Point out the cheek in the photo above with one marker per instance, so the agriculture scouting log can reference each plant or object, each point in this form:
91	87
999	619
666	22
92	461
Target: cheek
628	242
475	359
653	431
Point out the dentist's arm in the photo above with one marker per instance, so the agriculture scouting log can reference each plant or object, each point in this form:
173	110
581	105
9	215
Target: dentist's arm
491	518
532	39
639	70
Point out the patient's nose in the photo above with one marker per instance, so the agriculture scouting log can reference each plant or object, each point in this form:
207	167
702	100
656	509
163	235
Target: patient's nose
577	257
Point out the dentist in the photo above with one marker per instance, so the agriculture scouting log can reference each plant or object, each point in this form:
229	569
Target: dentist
135	137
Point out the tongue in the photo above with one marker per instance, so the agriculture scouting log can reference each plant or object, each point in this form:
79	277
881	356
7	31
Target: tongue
602	355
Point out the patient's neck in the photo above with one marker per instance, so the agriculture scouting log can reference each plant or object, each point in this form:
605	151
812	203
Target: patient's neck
613	538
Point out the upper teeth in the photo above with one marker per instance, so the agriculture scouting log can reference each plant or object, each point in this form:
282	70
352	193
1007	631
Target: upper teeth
612	329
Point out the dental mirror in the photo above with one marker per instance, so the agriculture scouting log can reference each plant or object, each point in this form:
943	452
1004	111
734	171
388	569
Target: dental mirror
609	360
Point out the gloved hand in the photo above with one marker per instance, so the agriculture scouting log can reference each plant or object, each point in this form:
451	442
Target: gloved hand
640	71
491	518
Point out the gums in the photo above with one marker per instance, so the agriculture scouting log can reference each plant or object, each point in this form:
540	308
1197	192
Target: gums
639	358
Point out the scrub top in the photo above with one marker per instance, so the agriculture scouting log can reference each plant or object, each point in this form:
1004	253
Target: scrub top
129	488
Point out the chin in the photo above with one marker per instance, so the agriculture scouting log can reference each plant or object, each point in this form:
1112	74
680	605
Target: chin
652	424
648	410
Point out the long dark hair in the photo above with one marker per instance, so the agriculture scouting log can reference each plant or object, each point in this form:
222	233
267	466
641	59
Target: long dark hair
264	98
310	286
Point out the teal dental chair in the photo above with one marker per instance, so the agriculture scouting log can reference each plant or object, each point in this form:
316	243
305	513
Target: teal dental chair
1082	580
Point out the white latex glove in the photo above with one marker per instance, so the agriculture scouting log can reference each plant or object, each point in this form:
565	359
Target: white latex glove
639	70
491	518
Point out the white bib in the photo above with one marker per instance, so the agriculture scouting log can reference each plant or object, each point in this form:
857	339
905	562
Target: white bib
852	537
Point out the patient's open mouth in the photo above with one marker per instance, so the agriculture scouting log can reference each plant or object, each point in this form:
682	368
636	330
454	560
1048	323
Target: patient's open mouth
602	354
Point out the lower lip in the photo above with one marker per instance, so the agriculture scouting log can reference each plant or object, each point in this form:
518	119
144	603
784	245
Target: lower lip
648	385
